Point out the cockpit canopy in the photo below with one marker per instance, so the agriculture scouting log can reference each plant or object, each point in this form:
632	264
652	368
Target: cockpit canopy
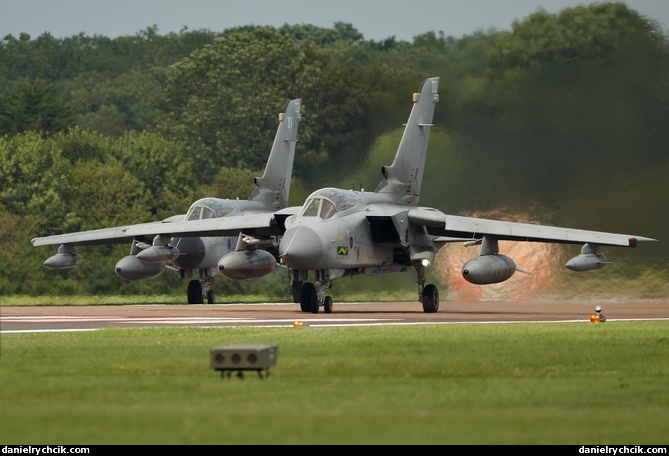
326	202
207	208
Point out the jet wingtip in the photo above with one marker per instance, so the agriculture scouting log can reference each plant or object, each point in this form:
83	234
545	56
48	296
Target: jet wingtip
633	241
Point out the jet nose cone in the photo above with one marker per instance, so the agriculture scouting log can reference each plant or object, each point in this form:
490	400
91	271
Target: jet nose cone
300	248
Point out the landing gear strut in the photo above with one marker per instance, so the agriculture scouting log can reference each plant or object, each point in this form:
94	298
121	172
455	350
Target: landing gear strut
428	295
198	291
312	295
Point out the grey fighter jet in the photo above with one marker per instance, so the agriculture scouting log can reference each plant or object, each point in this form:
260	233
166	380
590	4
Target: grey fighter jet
184	242
341	233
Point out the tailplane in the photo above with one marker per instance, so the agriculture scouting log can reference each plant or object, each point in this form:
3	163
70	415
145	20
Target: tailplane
404	177
273	187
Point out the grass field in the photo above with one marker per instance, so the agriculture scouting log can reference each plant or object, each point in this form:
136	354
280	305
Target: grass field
527	383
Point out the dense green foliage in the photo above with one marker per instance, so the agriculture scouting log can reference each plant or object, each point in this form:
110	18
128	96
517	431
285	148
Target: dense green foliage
501	384
562	120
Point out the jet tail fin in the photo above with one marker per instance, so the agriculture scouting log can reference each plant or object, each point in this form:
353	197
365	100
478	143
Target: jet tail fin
273	187
404	177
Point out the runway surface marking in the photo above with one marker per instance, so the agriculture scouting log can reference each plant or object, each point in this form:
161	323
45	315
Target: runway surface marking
221	322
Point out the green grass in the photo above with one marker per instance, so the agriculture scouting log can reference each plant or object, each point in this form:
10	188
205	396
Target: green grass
528	383
47	300
117	300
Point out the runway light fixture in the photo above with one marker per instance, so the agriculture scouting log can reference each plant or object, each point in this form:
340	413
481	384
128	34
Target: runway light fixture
597	317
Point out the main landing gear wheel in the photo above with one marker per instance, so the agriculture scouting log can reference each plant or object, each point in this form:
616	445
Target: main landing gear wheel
211	297
296	288
327	305
194	292
309	298
430	299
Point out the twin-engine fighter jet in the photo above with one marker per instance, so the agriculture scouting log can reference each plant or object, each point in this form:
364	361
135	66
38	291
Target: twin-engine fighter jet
341	233
193	242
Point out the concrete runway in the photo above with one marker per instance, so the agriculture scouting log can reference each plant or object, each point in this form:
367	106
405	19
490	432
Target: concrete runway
72	318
